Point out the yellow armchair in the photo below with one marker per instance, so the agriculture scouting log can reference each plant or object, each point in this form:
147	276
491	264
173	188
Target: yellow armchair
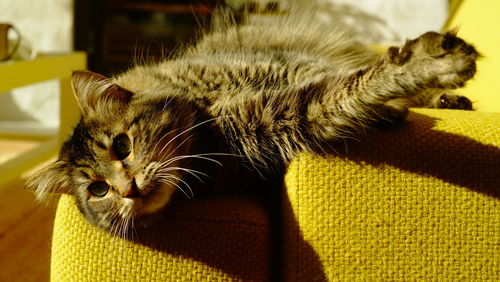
421	202
205	240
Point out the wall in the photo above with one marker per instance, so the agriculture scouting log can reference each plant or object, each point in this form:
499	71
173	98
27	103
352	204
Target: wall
47	27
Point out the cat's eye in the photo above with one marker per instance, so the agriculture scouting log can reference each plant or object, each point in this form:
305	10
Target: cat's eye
122	146
98	189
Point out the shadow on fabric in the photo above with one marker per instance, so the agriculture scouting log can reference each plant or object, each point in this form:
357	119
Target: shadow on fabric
232	234
419	148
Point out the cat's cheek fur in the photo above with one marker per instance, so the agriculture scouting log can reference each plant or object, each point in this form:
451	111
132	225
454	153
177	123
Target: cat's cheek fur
127	208
52	179
155	201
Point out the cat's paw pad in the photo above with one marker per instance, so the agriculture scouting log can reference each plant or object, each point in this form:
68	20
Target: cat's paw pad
442	60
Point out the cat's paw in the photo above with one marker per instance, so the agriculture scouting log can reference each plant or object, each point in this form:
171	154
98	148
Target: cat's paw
452	101
437	60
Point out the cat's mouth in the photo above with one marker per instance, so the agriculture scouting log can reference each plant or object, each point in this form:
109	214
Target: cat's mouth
152	200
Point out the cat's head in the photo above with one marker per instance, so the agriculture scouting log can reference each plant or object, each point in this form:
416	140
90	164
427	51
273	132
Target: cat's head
126	155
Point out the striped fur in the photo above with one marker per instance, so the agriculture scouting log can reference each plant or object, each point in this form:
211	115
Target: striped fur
255	94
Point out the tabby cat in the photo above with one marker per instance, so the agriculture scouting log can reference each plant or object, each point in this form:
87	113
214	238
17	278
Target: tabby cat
258	93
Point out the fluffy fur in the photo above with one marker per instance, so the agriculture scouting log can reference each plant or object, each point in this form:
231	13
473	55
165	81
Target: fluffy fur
256	93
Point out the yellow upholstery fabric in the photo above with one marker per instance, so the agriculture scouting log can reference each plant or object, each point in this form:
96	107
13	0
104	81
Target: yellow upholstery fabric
478	22
417	203
203	240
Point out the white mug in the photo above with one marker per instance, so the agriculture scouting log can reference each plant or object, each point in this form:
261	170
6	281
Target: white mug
6	47
13	45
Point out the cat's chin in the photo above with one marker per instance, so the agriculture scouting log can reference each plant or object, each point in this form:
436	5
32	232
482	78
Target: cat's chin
156	200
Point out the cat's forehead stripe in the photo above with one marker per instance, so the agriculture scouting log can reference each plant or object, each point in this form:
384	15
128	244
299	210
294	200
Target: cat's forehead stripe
100	144
84	174
136	120
107	132
81	165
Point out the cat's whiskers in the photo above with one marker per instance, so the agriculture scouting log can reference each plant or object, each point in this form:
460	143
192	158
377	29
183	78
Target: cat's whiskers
120	225
181	181
127	217
117	220
167	180
193	172
186	130
159	141
195	156
134	231
178	146
163	168
114	219
167	103
125	229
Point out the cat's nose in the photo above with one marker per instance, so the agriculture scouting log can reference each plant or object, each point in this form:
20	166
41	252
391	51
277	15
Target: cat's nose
131	190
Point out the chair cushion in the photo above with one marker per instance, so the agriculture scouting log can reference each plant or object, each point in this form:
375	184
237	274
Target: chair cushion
215	239
418	202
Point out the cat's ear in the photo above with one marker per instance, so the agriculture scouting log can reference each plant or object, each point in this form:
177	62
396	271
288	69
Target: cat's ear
52	179
93	91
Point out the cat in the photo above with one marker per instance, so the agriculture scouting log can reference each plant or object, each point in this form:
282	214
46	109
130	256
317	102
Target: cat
256	94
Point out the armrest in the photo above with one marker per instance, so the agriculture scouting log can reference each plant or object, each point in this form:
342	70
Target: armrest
207	239
421	201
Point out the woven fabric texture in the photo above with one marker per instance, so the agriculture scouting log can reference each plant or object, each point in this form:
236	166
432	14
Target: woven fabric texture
205	240
418	202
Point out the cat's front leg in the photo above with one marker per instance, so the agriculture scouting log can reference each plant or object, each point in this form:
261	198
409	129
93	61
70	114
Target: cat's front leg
435	60
422	66
380	94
